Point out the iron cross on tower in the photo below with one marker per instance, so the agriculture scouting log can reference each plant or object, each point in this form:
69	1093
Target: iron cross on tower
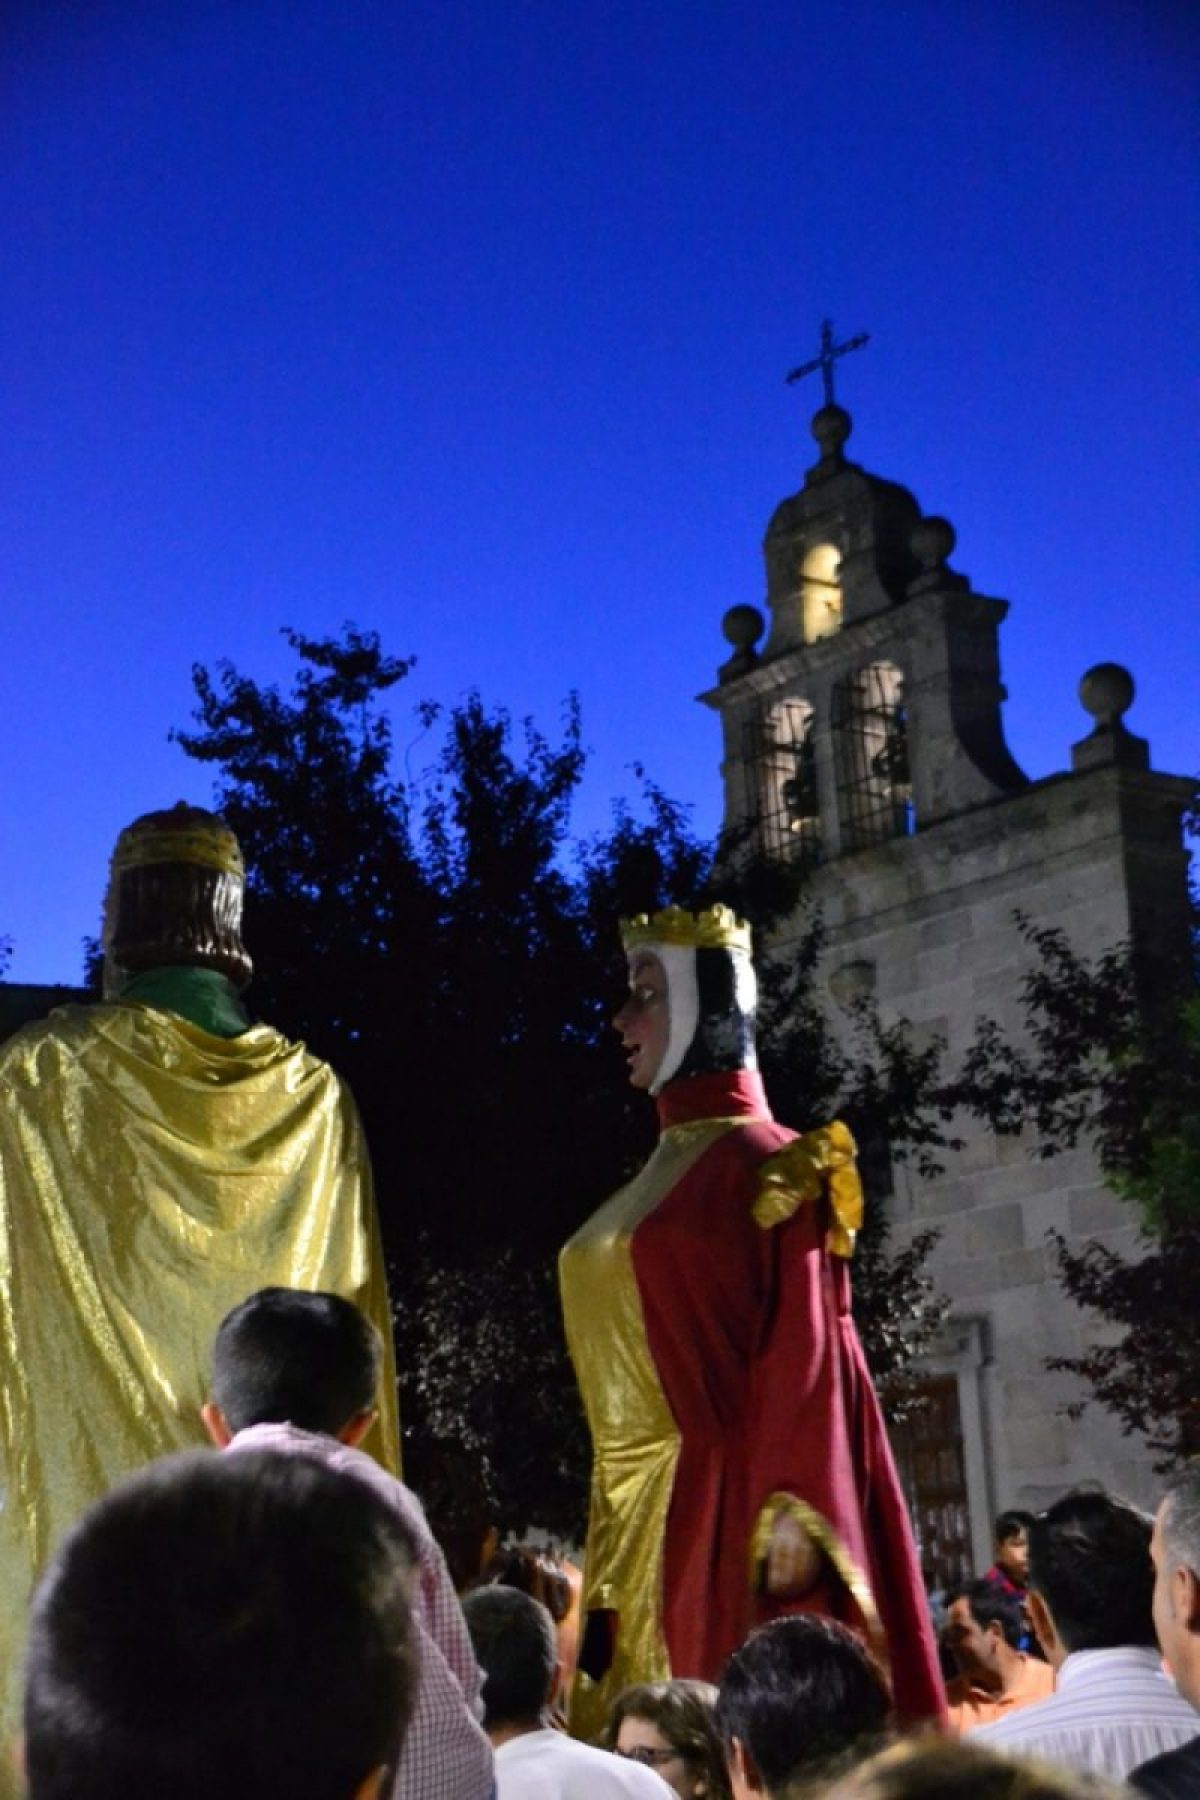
829	355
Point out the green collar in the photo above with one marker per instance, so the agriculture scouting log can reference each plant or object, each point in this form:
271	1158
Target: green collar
203	997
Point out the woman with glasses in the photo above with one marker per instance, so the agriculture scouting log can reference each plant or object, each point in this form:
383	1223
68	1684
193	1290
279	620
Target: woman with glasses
668	1726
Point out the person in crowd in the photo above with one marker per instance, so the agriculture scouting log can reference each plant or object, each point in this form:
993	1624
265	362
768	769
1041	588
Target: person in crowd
1091	1597
801	1701
983	1633
671	1727
297	1373
557	1583
159	1154
1175	1549
222	1626
932	1768
741	1467
513	1635
1010	1571
1009	1574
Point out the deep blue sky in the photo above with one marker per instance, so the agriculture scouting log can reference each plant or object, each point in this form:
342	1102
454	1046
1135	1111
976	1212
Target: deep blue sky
468	321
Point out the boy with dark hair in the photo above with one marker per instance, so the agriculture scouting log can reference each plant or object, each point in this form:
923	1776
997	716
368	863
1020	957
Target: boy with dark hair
233	1627
296	1373
798	1703
1091	1591
995	1676
283	1354
1010	1571
1009	1574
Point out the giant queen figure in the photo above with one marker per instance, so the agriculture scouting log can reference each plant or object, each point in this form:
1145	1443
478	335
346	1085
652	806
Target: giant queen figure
741	1466
161	1156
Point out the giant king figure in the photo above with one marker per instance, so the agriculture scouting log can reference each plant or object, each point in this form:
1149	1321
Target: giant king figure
161	1156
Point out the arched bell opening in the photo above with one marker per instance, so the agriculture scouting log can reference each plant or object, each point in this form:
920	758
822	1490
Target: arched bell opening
874	780
820	593
780	763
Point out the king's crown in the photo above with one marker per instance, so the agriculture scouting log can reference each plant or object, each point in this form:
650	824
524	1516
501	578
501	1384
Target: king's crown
180	834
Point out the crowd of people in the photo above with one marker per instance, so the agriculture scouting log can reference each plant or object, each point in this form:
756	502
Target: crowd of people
188	1244
279	1619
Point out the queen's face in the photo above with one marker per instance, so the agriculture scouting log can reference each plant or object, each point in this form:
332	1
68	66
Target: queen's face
644	1021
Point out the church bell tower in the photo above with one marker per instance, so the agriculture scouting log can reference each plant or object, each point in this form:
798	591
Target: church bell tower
872	706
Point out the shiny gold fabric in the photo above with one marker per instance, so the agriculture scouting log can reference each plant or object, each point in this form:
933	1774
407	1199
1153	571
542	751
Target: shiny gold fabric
634	1439
151	1176
818	1162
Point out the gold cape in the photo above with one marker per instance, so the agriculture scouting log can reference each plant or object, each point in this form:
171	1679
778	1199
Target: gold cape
152	1176
635	1441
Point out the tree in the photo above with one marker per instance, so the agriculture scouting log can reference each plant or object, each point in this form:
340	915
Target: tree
451	947
1111	1062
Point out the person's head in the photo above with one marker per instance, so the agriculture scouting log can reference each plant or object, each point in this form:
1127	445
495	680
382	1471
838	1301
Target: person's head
802	1697
235	1626
670	1726
1090	1575
288	1356
513	1638
692	996
1175	1549
983	1630
1012	1545
534	1571
937	1768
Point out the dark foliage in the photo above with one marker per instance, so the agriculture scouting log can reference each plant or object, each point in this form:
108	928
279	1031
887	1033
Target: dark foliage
1148	1377
1104	1065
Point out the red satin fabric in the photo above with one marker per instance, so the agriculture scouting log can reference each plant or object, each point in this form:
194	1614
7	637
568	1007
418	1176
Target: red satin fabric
752	1339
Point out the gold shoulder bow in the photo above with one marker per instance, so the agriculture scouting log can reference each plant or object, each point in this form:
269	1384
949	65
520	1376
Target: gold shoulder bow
817	1162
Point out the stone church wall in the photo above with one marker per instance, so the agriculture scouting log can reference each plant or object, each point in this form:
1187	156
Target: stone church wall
927	923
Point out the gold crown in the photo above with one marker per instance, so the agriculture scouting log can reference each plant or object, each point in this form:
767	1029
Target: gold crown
717	928
185	834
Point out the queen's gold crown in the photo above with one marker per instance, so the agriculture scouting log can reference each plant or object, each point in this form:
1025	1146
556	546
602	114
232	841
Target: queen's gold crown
184	834
716	928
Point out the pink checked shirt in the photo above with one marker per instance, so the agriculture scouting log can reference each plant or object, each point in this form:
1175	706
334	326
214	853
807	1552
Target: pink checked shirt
446	1755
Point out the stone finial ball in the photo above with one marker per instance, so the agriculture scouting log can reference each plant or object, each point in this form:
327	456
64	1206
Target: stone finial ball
1106	692
831	427
933	540
743	626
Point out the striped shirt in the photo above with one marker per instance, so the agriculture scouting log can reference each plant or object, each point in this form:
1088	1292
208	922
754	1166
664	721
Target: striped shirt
1110	1711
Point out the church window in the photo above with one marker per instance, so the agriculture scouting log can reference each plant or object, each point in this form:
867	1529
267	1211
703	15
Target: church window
820	592
874	784
781	763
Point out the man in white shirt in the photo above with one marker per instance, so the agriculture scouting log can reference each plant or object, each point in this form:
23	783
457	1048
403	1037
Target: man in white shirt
1091	1601
1175	1548
513	1639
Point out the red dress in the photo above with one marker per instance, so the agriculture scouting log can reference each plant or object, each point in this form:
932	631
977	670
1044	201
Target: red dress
720	1367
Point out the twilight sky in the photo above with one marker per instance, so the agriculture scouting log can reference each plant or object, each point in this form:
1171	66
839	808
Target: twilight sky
468	321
